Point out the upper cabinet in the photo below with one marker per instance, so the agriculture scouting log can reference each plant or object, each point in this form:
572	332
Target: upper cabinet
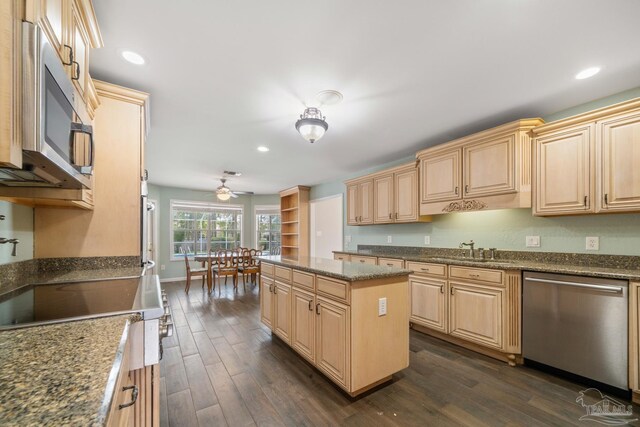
487	170
10	136
385	197
589	163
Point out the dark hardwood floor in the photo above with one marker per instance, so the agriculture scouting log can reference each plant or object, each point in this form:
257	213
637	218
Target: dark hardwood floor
222	367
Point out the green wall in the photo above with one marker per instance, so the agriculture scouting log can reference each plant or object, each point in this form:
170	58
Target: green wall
18	224
503	229
164	195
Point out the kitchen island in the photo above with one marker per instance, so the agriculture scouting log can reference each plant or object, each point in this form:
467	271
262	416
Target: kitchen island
348	320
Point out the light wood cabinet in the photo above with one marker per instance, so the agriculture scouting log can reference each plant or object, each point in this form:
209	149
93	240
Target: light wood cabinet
115	220
487	170
80	44
360	203
371	260
303	325
294	211
333	326
475	313
282	311
11	12
385	197
332	340
589	163
391	262
564	171
342	257
429	302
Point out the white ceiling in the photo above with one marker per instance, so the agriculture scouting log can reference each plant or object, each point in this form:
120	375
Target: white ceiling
228	76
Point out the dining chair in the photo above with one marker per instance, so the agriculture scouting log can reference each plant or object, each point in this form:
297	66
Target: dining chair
192	271
227	265
250	265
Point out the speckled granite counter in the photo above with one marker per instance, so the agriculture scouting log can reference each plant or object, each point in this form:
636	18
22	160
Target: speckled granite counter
337	269
624	267
62	374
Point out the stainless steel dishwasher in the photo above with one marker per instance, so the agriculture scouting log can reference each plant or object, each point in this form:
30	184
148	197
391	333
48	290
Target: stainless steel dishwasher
577	324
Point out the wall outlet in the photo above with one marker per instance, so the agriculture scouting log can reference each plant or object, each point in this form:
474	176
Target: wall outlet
389	239
162	267
318	233
533	241
347	238
427	240
382	306
593	243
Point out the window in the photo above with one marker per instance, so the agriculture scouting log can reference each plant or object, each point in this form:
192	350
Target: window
200	227
268	228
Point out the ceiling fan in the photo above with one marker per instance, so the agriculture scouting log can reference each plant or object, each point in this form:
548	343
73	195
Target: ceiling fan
225	193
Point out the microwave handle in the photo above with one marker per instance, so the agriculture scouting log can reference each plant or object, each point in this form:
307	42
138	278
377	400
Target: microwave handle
88	130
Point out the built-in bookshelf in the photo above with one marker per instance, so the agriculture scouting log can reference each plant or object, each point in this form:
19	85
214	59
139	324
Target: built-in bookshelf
294	210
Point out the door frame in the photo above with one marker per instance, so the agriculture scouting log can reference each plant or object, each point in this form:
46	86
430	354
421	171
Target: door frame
312	222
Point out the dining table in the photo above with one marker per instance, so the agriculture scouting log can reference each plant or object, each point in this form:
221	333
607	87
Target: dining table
210	260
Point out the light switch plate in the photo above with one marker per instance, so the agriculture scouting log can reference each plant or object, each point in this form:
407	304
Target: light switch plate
427	240
389	239
533	241
593	243
162	267
382	306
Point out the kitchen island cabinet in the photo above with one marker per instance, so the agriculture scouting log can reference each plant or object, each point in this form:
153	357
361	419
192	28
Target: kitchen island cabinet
349	320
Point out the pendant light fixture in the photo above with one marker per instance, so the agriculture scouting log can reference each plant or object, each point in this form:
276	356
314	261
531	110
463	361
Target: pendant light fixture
312	124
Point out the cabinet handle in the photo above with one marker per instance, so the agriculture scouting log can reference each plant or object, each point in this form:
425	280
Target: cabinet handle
310	304
270	289
134	396
389	264
474	275
452	289
70	55
442	289
424	269
318	309
396	215
456	190
361	260
275	290
585	200
466	189
76	73
606	199
390	215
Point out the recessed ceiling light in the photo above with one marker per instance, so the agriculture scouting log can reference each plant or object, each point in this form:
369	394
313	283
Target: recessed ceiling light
134	58
589	72
329	97
263	149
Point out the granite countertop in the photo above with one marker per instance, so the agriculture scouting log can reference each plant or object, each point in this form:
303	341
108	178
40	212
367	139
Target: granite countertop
61	374
337	269
512	264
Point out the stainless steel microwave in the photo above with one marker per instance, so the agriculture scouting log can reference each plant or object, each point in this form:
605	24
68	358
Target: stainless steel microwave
57	144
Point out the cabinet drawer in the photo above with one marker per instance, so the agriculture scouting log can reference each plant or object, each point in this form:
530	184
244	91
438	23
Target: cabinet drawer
478	274
333	288
266	269
391	262
427	269
364	259
304	280
342	257
283	273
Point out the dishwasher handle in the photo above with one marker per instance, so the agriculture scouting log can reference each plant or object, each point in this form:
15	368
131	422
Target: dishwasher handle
605	288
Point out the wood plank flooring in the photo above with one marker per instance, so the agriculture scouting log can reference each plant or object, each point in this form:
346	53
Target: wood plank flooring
222	367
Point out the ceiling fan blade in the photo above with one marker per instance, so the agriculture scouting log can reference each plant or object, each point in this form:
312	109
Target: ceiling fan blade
234	195
244	192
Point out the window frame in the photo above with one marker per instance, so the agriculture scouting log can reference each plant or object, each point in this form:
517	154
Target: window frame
262	210
202	207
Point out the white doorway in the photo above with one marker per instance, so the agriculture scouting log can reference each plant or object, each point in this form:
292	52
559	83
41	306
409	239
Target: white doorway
152	233
326	226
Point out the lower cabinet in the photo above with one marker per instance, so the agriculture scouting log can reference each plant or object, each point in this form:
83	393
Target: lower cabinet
282	311
478	306
332	331
266	300
303	325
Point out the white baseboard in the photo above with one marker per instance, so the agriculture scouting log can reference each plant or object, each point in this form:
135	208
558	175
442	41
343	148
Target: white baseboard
173	279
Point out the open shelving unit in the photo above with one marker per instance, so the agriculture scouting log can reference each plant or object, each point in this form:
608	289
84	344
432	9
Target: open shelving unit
294	210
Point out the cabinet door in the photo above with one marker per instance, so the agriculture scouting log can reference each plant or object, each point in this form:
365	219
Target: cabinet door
475	313
428	308
352	204
620	163
80	41
282	311
383	199
489	167
406	195
303	327
564	167
10	91
332	340
365	193
440	177
53	20
266	301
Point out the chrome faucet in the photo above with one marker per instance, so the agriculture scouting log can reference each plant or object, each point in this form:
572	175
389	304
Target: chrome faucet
471	245
13	241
